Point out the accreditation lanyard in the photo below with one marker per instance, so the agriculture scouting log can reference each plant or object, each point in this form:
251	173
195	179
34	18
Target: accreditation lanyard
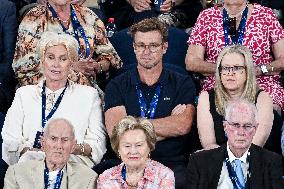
54	108
233	174
123	175
239	37
148	111
59	177
76	27
44	119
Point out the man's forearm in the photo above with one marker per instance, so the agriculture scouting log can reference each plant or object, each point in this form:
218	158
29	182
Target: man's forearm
174	125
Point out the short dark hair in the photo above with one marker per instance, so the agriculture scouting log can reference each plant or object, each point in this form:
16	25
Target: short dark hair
149	24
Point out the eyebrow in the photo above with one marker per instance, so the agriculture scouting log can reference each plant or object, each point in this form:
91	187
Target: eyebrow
135	142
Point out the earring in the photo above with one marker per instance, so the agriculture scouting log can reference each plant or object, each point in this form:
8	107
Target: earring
149	155
119	156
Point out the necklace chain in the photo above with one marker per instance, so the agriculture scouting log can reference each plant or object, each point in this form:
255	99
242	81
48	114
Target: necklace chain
238	14
132	185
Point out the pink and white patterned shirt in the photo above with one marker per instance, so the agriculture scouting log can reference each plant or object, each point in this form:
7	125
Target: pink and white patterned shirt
156	176
261	32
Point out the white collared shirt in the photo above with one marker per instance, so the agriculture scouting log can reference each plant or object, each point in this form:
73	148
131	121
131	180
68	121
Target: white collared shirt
224	180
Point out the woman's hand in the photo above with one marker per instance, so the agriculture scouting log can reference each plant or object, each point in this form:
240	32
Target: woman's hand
166	6
29	149
43	2
85	66
82	149
78	2
140	5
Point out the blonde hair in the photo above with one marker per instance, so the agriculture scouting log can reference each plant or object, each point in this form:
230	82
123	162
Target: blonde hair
132	123
50	39
250	89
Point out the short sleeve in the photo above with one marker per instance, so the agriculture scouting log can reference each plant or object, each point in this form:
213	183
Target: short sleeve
275	29
199	31
186	92
113	95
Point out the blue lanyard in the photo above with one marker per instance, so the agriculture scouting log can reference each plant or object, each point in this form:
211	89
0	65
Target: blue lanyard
59	177
54	108
148	112
123	175
76	26
238	39
233	175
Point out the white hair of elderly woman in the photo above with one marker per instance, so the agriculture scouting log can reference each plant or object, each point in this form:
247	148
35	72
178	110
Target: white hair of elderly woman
50	39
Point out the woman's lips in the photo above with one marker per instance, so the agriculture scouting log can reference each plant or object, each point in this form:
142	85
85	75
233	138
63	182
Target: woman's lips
56	72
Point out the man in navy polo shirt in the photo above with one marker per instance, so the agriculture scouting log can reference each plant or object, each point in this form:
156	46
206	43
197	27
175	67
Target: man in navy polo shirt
163	96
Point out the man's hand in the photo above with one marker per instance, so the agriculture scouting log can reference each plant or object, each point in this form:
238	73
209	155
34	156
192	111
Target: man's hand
179	109
140	5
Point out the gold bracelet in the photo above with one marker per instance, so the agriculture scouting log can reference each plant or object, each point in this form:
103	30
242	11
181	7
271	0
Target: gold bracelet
272	68
82	149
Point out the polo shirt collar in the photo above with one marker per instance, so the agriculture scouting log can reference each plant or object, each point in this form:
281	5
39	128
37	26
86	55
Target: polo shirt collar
135	78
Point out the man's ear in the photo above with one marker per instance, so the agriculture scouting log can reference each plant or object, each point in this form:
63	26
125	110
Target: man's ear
225	125
165	47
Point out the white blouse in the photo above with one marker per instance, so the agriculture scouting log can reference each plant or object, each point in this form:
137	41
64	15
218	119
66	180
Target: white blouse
80	105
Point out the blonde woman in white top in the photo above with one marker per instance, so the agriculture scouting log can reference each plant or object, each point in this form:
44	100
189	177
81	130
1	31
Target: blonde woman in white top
54	97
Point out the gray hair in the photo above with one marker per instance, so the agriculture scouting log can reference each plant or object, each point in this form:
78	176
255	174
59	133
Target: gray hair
240	106
50	39
132	123
55	120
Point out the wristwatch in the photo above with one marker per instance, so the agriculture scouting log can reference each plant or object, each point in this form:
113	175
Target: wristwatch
264	69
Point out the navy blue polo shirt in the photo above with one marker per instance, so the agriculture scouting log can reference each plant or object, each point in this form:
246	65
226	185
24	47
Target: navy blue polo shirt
175	89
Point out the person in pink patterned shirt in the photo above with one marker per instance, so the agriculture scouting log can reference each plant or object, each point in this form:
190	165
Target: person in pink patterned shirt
132	140
250	25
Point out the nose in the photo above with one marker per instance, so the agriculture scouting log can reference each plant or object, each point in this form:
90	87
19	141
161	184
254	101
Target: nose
58	144
147	49
231	71
241	131
133	150
56	63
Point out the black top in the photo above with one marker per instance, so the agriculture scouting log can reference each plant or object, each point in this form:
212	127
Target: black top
217	120
273	142
176	89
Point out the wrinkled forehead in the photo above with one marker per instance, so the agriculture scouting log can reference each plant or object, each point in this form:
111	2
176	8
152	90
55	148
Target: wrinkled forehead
242	114
60	129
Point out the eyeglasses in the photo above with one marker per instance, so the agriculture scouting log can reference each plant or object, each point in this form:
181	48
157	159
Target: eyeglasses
153	47
246	127
234	69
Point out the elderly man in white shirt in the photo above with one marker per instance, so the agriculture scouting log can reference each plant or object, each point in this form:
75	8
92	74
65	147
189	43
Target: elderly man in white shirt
239	164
